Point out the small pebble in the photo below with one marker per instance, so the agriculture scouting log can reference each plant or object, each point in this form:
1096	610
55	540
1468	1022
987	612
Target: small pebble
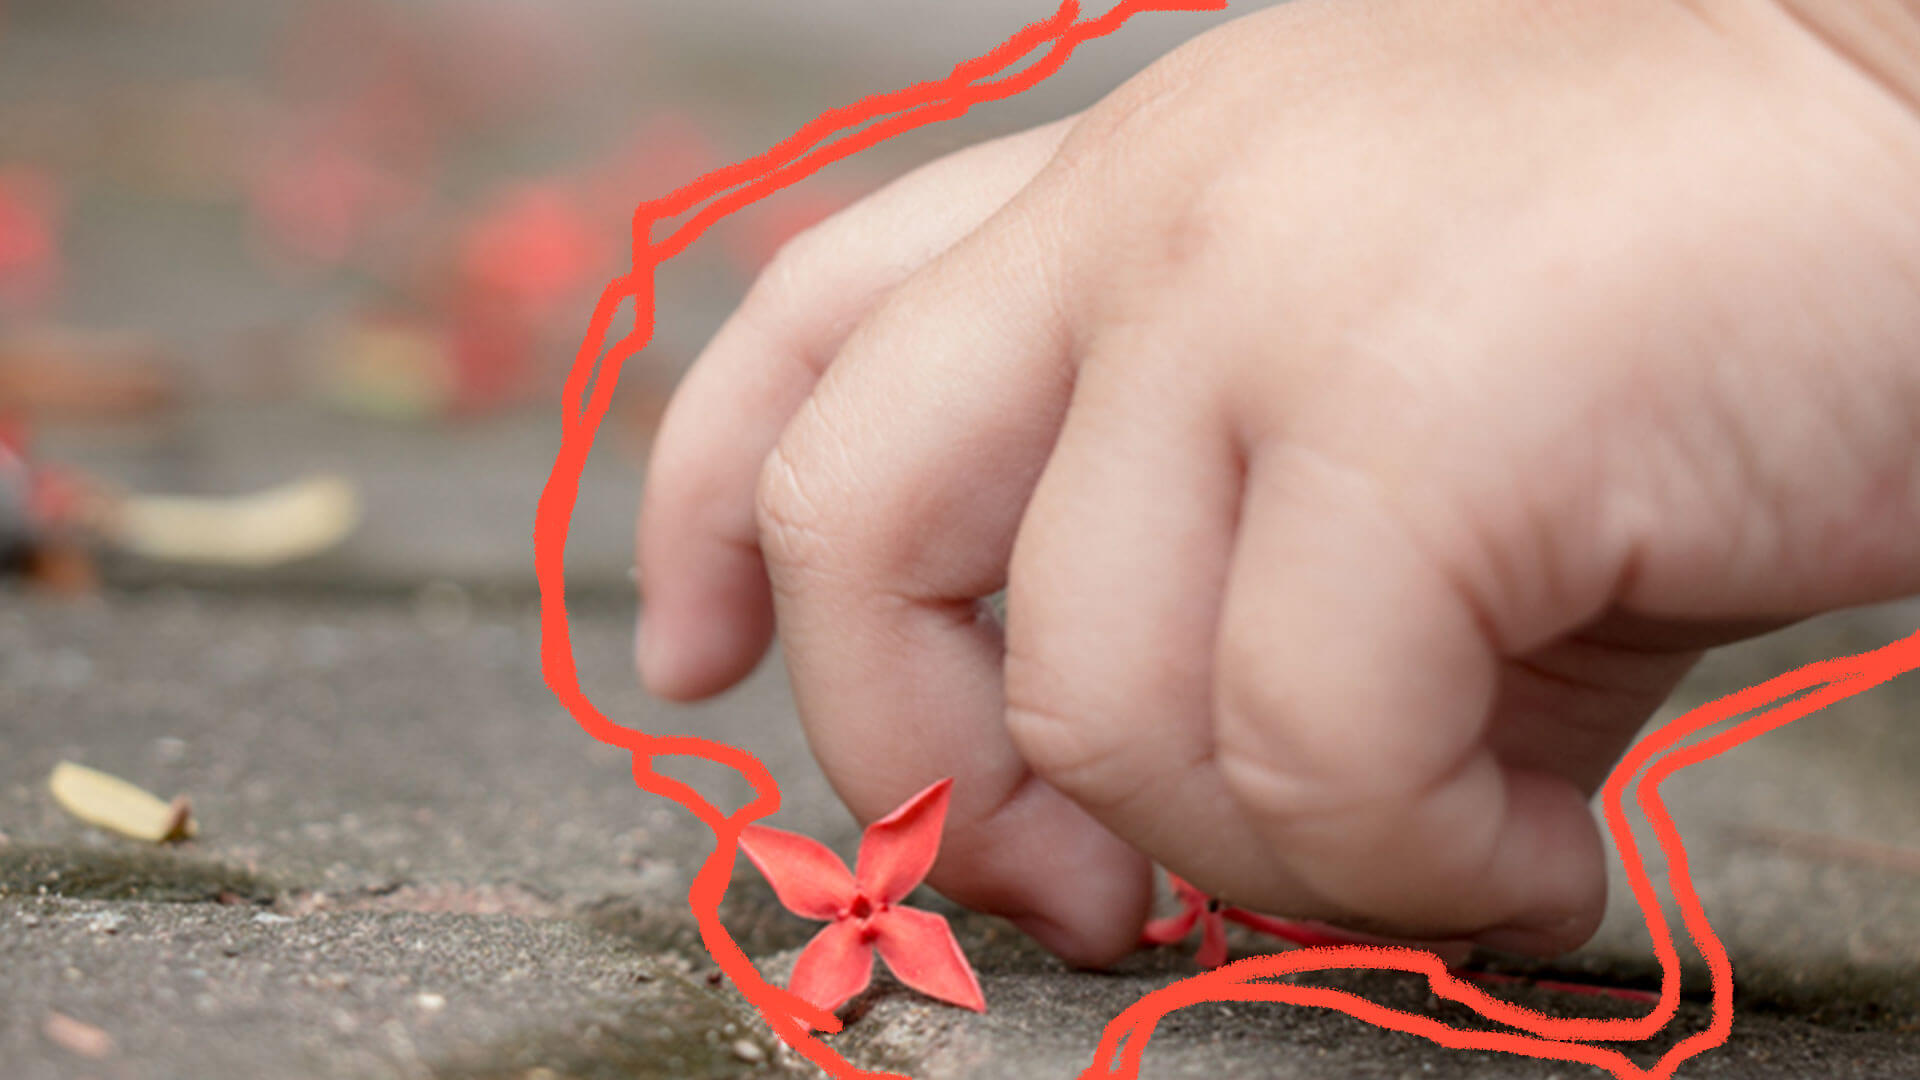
749	1051
106	922
268	918
429	1002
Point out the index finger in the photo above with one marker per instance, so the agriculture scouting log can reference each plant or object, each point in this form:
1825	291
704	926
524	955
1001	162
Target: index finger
888	512
708	614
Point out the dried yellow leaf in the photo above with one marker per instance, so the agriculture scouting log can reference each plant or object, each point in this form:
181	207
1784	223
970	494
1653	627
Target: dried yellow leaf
101	799
279	525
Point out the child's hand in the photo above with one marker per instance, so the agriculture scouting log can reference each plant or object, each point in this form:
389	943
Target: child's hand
1370	410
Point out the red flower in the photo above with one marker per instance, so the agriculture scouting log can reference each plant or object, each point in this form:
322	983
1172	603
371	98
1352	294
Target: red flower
53	500
317	199
533	247
861	908
1213	916
670	149
30	207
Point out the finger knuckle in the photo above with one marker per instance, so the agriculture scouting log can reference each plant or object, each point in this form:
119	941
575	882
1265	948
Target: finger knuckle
796	527
1264	757
1334	805
1140	109
1066	745
794	269
786	308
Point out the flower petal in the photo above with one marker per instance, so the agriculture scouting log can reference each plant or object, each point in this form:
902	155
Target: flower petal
833	967
920	948
1308	934
1170	929
808	879
897	851
1174	927
1186	892
1213	941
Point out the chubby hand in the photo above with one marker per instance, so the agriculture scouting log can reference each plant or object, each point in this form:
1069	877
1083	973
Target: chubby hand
1369	411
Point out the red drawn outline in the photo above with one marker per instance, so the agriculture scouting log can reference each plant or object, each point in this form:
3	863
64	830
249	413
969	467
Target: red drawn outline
838	133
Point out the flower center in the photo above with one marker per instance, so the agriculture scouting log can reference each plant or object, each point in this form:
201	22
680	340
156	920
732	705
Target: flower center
863	911
863	908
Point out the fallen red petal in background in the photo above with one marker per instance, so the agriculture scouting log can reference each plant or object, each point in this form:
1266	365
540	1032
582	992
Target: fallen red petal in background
492	347
533	247
671	149
30	208
315	201
43	516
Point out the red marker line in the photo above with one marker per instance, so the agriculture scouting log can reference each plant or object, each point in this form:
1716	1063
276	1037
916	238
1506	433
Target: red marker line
1782	700
588	395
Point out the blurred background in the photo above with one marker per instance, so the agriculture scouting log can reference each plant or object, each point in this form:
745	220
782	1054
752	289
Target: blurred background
319	264
287	288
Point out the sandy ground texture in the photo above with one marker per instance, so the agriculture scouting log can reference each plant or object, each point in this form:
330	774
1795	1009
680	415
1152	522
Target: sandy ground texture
412	864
